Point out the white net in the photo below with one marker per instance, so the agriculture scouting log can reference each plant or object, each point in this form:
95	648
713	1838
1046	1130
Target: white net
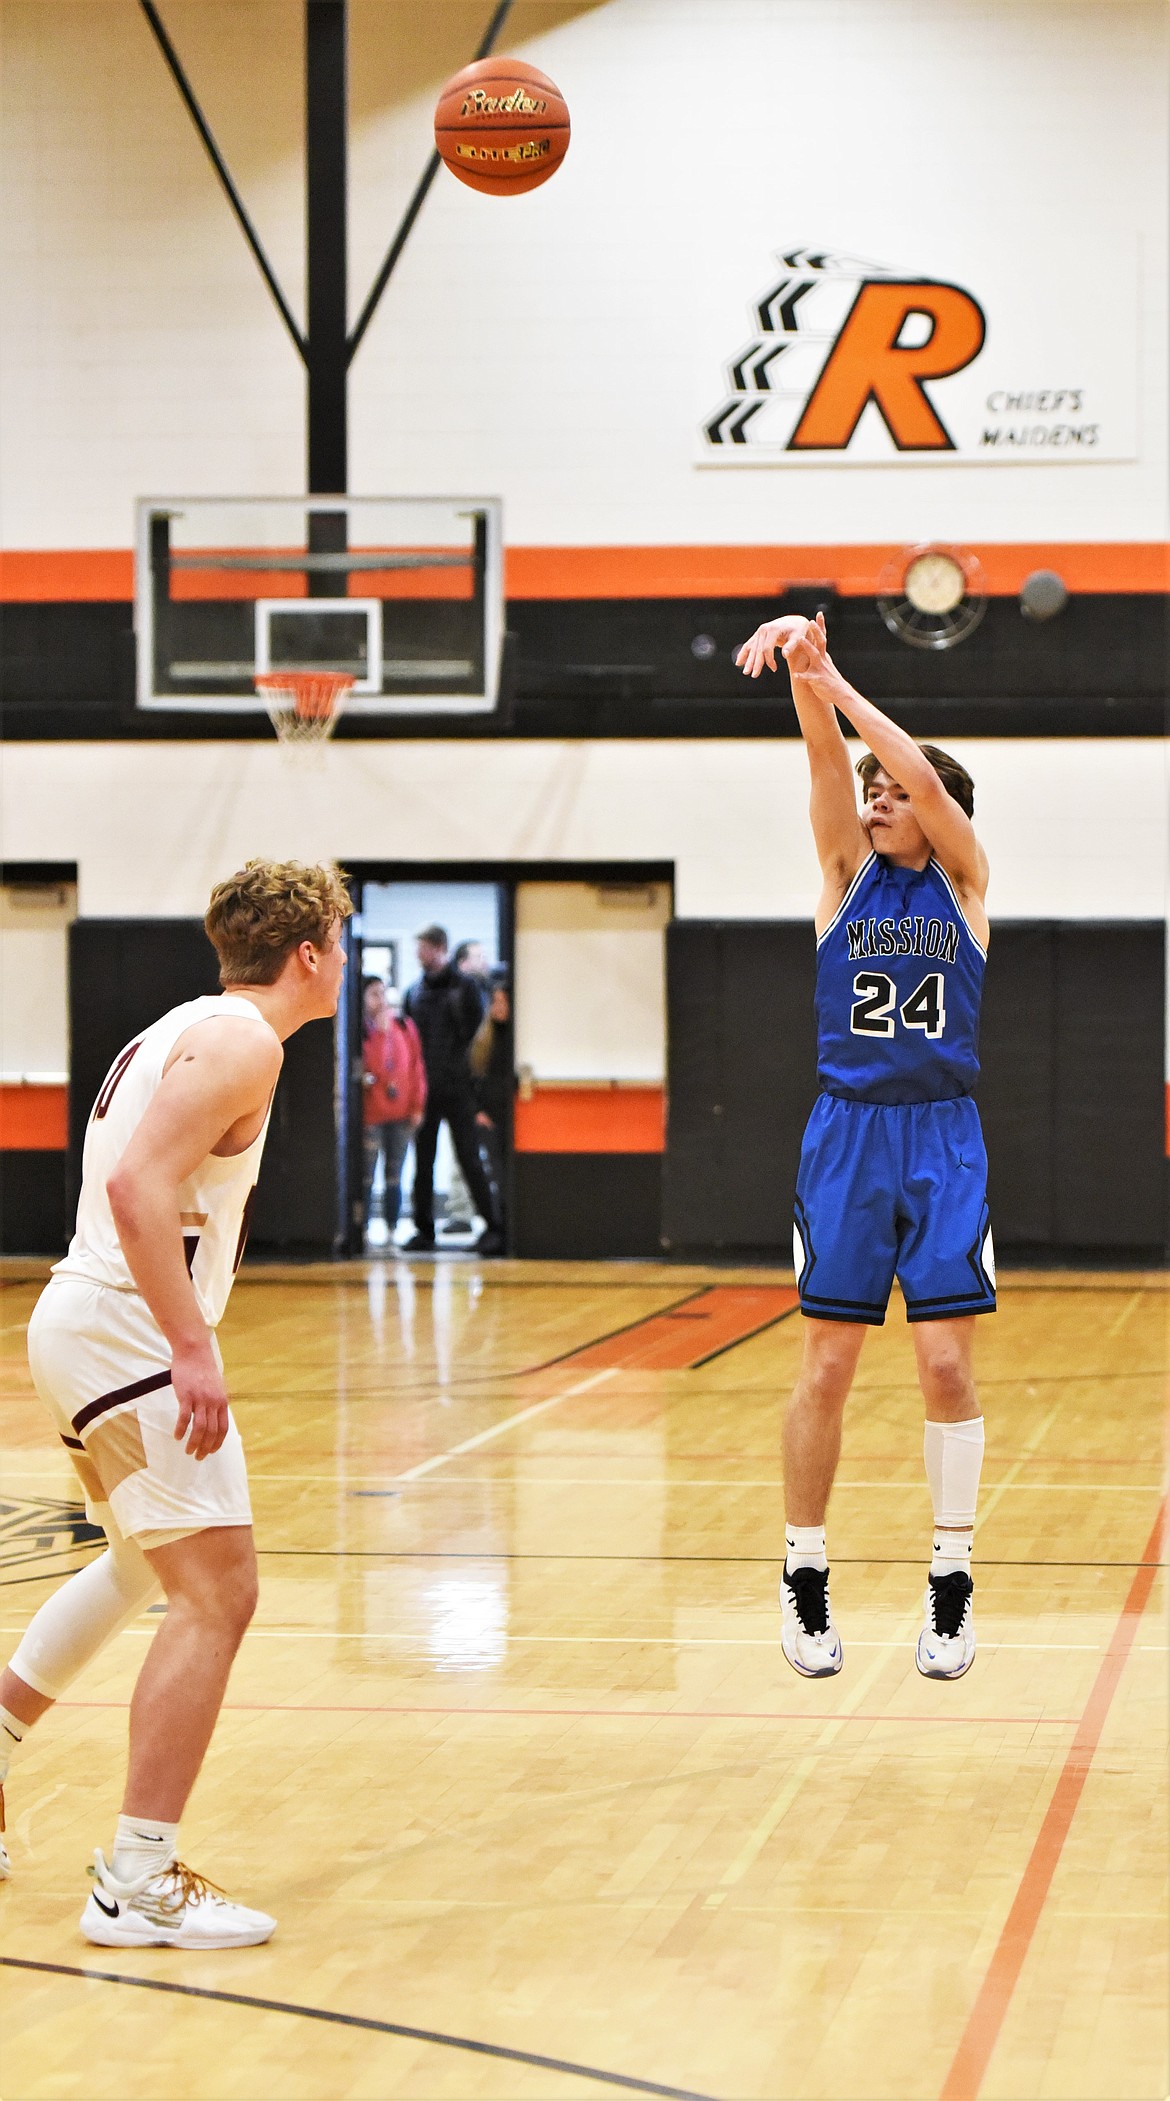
304	706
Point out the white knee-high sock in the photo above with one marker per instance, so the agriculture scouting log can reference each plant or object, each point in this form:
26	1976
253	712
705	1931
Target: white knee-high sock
954	1460
83	1615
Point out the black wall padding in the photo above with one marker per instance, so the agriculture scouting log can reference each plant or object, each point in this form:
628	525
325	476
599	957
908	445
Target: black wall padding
296	1200
1108	1021
742	1079
1017	1098
586	1206
32	1203
124	974
1071	1095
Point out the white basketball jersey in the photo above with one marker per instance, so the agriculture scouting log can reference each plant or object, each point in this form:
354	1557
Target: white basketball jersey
214	1202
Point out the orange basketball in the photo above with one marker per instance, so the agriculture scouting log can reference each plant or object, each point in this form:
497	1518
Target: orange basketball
502	126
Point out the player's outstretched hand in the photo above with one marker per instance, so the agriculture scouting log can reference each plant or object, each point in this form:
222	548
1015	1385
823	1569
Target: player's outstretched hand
202	1398
759	651
807	652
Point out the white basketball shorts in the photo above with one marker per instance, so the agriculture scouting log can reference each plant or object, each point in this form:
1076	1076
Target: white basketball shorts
101	1365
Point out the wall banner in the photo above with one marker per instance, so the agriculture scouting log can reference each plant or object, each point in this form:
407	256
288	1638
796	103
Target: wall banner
856	363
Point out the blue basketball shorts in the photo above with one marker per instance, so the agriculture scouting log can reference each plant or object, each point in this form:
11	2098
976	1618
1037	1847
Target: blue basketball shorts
893	1190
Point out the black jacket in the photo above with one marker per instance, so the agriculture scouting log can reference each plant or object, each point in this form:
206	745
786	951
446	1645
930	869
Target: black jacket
446	1009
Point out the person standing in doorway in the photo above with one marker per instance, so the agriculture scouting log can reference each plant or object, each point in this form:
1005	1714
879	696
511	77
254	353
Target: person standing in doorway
447	1009
470	962
492	1070
394	1095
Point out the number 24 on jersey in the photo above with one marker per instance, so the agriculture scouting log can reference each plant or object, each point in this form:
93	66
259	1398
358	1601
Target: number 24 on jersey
872	1013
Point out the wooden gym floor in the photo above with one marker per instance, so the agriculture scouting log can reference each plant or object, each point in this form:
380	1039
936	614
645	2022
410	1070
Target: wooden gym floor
514	1756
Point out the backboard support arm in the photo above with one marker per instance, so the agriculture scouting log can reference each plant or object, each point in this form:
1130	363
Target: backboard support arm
187	92
324	347
415	206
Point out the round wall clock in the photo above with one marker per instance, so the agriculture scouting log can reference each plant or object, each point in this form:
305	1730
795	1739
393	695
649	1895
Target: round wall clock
932	596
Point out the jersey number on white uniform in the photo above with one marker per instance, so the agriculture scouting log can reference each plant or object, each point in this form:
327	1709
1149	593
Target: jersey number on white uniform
109	1086
873	1011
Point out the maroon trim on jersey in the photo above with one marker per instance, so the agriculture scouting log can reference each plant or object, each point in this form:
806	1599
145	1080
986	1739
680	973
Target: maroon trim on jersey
109	1085
106	1401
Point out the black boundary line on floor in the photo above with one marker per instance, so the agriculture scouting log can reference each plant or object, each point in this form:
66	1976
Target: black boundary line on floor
362	2021
724	1347
627	1328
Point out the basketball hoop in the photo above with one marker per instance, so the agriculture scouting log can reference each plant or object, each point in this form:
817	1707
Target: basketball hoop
304	707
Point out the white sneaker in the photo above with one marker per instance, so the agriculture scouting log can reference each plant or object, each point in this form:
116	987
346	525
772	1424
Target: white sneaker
807	1636
946	1645
174	1908
5	1859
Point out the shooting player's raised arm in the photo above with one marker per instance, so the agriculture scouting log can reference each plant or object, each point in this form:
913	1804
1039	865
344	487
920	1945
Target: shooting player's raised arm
947	827
838	834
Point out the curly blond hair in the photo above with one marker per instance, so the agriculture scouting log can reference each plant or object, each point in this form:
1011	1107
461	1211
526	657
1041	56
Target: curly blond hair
262	913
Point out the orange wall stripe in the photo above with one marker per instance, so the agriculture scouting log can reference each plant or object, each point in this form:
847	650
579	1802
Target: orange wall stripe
29	575
62	574
687	1334
34	1119
701	572
592	1120
987	2016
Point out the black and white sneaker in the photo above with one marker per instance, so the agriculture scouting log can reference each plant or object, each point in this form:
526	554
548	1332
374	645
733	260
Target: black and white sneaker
946	1645
808	1637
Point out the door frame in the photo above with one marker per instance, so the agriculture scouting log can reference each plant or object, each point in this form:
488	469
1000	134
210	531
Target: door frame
506	875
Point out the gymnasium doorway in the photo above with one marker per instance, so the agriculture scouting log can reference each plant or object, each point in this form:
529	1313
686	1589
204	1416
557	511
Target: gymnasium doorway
577	1060
382	1057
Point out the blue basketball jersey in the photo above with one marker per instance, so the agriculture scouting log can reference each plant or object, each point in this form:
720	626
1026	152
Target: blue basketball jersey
899	979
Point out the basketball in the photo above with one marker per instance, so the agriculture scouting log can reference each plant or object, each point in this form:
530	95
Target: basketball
502	126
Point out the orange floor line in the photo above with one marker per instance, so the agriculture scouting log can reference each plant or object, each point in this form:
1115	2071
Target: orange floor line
987	2016
690	1333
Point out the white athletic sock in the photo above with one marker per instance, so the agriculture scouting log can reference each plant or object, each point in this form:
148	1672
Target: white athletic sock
952	1550
805	1545
954	1460
142	1846
11	1734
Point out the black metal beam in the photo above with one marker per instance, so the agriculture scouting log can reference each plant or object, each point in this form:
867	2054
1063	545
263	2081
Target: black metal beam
216	158
326	139
416	203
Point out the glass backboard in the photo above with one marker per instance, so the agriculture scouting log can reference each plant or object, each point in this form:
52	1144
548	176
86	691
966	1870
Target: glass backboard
403	593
